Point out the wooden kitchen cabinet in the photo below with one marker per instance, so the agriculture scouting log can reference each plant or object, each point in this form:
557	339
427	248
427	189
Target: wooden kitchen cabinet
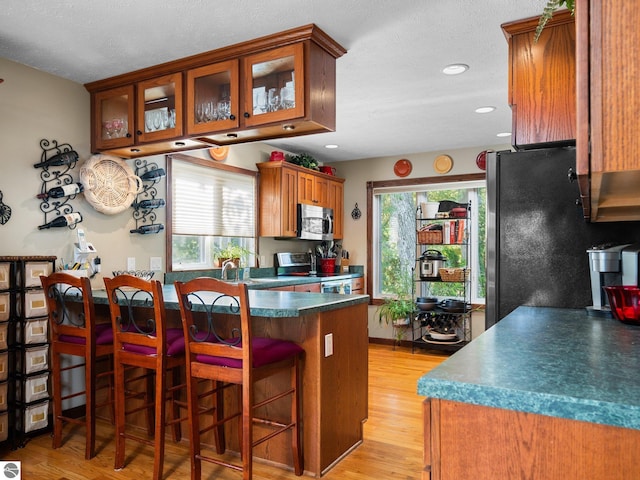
357	285
542	82
313	189
276	86
308	288
608	146
283	185
467	442
142	118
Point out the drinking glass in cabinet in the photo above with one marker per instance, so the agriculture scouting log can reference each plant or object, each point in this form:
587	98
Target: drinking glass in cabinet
273	85
114	117
212	97
159	107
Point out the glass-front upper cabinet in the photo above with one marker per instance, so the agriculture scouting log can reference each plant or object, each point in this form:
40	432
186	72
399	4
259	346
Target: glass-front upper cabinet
212	98
159	112
273	85
113	118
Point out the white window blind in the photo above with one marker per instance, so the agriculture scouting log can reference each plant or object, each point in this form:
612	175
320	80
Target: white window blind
211	201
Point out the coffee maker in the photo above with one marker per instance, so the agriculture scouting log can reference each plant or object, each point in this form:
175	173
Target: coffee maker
612	265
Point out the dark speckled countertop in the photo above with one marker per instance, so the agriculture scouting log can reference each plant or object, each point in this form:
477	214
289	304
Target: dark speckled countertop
550	361
264	303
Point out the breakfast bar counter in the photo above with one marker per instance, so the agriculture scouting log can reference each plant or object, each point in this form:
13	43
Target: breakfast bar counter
333	330
546	393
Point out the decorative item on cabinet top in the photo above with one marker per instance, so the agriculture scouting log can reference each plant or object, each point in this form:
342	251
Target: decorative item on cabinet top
443	164
5	211
402	167
146	202
58	186
110	186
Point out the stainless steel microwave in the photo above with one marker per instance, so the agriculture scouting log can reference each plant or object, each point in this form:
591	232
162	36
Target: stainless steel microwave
314	222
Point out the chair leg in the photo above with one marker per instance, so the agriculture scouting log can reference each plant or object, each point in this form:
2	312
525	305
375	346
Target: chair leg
219	416
160	412
194	427
148	400
175	406
247	432
90	408
120	407
57	400
296	441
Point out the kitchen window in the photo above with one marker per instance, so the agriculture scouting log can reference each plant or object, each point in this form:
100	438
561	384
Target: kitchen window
392	229
211	207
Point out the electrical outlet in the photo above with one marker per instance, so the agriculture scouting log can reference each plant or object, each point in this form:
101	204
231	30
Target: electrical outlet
131	263
328	344
155	264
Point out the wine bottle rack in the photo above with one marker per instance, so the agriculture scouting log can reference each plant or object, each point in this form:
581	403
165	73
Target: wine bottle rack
54	175
147	200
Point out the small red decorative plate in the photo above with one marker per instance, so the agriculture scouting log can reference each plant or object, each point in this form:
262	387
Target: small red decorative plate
402	168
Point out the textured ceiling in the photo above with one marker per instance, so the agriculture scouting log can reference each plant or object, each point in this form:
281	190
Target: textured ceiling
392	98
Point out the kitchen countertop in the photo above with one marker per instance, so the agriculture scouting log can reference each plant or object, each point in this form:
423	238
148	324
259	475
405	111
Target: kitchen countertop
549	361
270	303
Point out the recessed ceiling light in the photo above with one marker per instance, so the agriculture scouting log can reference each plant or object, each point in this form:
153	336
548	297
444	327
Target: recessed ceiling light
486	109
331	145
504	134
455	69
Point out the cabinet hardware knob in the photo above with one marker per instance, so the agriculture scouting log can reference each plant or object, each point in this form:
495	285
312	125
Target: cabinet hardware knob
139	132
246	115
128	135
232	117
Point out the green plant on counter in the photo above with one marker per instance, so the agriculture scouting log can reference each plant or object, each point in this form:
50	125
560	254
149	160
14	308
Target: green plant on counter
547	13
231	251
304	160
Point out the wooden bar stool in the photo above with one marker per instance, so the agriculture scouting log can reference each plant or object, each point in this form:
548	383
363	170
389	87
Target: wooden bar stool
142	340
75	333
219	346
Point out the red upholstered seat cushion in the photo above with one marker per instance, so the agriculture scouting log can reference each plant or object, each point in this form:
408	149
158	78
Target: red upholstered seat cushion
104	336
265	351
175	344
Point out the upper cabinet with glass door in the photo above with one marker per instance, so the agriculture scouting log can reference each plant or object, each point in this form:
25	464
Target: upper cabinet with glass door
275	86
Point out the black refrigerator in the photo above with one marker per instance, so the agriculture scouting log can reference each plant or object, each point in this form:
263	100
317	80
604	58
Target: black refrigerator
537	238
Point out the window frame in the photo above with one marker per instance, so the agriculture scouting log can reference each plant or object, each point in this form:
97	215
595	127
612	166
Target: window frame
401	183
169	207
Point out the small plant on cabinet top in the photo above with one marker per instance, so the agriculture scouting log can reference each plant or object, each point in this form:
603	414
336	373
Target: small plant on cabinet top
547	13
304	160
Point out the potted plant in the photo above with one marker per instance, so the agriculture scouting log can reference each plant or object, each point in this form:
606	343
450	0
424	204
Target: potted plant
233	252
304	160
396	311
547	13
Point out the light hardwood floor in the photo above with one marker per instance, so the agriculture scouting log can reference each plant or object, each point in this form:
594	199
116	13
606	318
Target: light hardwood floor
392	447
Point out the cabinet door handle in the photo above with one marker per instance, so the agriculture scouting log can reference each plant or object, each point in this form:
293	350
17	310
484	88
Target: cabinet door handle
246	115
128	135
232	117
139	132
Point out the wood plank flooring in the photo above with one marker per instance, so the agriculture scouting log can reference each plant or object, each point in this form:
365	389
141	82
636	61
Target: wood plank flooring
392	447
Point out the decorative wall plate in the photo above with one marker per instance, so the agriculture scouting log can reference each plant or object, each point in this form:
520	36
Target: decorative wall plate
443	164
110	185
402	168
219	154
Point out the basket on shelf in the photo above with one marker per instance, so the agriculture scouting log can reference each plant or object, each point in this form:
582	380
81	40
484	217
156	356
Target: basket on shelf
426	237
454	274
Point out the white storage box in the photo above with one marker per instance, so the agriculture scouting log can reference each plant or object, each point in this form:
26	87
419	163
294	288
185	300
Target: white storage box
4	426
32	272
5	306
33	331
33	417
3	396
4	366
5	276
4	335
33	388
35	304
32	360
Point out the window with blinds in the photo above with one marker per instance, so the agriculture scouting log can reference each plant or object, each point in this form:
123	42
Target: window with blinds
211	209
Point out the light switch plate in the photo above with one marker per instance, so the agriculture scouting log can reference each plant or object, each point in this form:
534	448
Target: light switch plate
155	264
131	263
328	344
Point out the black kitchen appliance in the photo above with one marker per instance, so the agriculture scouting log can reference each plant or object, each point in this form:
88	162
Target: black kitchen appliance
537	238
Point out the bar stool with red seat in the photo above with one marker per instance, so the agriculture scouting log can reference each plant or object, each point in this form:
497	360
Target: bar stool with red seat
72	323
220	346
142	339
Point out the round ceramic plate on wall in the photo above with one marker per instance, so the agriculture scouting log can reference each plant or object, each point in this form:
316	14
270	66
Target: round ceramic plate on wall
443	164
219	153
402	168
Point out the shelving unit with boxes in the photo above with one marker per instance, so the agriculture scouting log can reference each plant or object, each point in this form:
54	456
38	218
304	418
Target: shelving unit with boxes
24	348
